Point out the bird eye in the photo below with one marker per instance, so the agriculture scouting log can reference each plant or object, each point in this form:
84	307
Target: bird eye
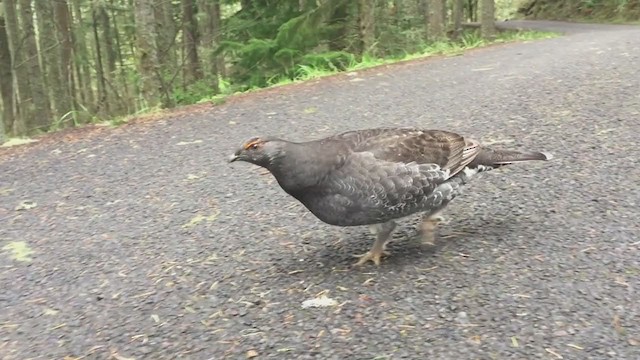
254	146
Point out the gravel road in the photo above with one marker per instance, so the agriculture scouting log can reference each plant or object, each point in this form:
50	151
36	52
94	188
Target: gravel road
141	242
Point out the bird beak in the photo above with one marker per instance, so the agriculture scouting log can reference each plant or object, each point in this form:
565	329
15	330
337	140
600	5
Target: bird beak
235	156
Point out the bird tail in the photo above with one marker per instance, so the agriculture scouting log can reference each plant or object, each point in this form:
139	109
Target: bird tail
496	158
490	159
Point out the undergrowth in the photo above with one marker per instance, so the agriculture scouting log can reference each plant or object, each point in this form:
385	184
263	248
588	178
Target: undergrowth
314	66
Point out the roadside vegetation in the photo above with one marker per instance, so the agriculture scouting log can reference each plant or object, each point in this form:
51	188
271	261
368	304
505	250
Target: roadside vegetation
67	63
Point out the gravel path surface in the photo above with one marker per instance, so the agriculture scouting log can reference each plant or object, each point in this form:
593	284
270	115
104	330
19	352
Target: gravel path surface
146	244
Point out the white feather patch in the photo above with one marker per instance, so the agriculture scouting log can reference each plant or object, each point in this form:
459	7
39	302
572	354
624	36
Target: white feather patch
470	172
322	301
549	156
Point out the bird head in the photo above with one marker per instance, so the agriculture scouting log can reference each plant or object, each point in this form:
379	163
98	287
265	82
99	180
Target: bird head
261	151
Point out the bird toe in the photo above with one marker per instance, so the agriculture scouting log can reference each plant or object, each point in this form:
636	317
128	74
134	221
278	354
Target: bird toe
374	256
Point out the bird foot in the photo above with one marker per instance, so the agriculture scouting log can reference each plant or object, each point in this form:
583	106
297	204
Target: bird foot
428	239
438	219
428	228
371	255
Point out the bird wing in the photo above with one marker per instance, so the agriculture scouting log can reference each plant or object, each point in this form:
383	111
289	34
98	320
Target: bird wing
450	151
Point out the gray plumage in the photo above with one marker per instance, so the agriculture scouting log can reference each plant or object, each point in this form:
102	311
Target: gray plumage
374	176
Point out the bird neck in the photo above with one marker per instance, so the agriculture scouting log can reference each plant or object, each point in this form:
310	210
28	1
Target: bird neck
303	166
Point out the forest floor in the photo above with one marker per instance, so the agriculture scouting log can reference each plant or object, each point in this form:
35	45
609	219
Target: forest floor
142	242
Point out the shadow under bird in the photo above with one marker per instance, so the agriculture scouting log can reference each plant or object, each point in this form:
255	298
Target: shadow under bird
375	176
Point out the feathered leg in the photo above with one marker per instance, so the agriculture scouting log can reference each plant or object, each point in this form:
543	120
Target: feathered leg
428	227
383	233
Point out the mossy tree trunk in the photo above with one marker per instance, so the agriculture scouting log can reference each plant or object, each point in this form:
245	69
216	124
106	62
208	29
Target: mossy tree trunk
6	85
151	89
366	25
210	30
192	70
110	56
487	19
434	20
81	51
50	53
457	15
63	23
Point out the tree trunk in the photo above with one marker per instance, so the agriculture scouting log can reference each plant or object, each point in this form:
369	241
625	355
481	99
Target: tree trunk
166	37
23	107
457	15
210	37
50	53
40	118
472	10
128	100
366	25
151	89
109	50
216	23
63	26
6	82
190	42
103	103
84	83
487	20
435	25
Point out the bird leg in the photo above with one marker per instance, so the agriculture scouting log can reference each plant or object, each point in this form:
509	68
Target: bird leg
382	232
428	227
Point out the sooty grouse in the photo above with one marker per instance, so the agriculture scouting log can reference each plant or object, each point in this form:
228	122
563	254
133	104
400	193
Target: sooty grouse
373	176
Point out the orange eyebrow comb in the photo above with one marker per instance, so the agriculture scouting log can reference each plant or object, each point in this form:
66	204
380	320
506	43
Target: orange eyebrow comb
250	143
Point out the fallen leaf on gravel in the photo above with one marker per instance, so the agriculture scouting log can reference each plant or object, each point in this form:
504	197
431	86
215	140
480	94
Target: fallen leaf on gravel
310	110
476	339
200	218
189	142
617	325
321	301
49	311
26	205
17	141
120	357
192	177
634	342
482	69
6	191
552	352
514	342
251	354
155	318
19	251
58	326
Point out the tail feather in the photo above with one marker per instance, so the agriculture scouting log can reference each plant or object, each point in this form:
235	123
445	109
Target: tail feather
496	158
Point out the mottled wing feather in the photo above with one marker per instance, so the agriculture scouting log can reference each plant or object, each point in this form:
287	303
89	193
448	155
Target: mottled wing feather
372	190
448	150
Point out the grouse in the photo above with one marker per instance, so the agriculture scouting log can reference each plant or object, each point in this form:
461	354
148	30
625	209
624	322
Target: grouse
375	176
